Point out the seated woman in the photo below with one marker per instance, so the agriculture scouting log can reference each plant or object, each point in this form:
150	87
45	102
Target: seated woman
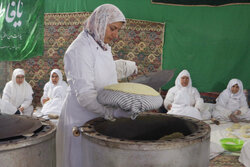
54	93
17	95
53	107
231	103
183	99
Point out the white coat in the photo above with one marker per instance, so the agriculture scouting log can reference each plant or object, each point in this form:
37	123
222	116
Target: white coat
185	101
89	66
227	103
97	70
15	96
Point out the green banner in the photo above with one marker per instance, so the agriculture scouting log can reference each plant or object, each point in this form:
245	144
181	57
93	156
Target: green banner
21	29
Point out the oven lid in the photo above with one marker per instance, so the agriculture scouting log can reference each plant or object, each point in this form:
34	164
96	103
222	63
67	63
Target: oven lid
16	125
155	79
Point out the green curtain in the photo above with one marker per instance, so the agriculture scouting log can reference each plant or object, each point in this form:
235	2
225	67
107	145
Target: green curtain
211	42
21	29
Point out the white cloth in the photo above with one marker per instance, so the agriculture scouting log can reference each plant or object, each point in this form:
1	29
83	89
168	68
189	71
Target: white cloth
54	105
18	95
245	154
215	150
185	101
227	103
228	129
88	68
125	68
7	108
49	86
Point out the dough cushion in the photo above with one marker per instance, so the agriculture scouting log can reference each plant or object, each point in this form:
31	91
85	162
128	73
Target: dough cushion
132	97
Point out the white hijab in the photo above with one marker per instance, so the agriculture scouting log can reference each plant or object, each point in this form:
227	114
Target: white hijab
232	101
182	93
240	93
178	80
59	83
19	92
97	22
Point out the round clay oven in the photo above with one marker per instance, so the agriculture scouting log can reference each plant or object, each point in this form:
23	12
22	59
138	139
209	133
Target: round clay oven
139	143
26	142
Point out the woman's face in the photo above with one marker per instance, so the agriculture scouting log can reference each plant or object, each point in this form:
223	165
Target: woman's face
112	31
55	78
184	81
235	88
19	79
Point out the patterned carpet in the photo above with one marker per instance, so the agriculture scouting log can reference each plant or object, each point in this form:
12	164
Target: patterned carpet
140	41
5	74
225	161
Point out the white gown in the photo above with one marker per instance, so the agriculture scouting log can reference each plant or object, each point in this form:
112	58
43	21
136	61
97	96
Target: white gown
48	89
55	93
54	105
15	96
186	101
91	72
89	66
227	103
181	105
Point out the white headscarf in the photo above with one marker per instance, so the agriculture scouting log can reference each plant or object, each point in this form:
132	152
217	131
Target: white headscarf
181	91
240	93
23	89
97	22
59	83
178	80
59	73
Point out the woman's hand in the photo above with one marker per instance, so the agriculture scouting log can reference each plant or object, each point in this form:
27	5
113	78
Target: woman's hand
233	118
169	107
45	100
237	112
21	109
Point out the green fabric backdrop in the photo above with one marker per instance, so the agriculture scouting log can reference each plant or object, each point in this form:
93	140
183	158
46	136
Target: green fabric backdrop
211	42
21	29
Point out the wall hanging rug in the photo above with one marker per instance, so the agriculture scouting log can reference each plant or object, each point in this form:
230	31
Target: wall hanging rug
139	41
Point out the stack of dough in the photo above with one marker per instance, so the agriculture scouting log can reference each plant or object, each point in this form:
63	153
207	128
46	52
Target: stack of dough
245	131
131	97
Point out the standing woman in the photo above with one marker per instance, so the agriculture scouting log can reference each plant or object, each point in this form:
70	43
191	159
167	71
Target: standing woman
17	94
89	66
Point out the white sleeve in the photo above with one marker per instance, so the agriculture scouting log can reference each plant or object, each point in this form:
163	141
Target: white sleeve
169	99
65	88
220	111
58	92
222	101
199	102
45	92
79	68
125	68
7	108
28	99
243	105
7	92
